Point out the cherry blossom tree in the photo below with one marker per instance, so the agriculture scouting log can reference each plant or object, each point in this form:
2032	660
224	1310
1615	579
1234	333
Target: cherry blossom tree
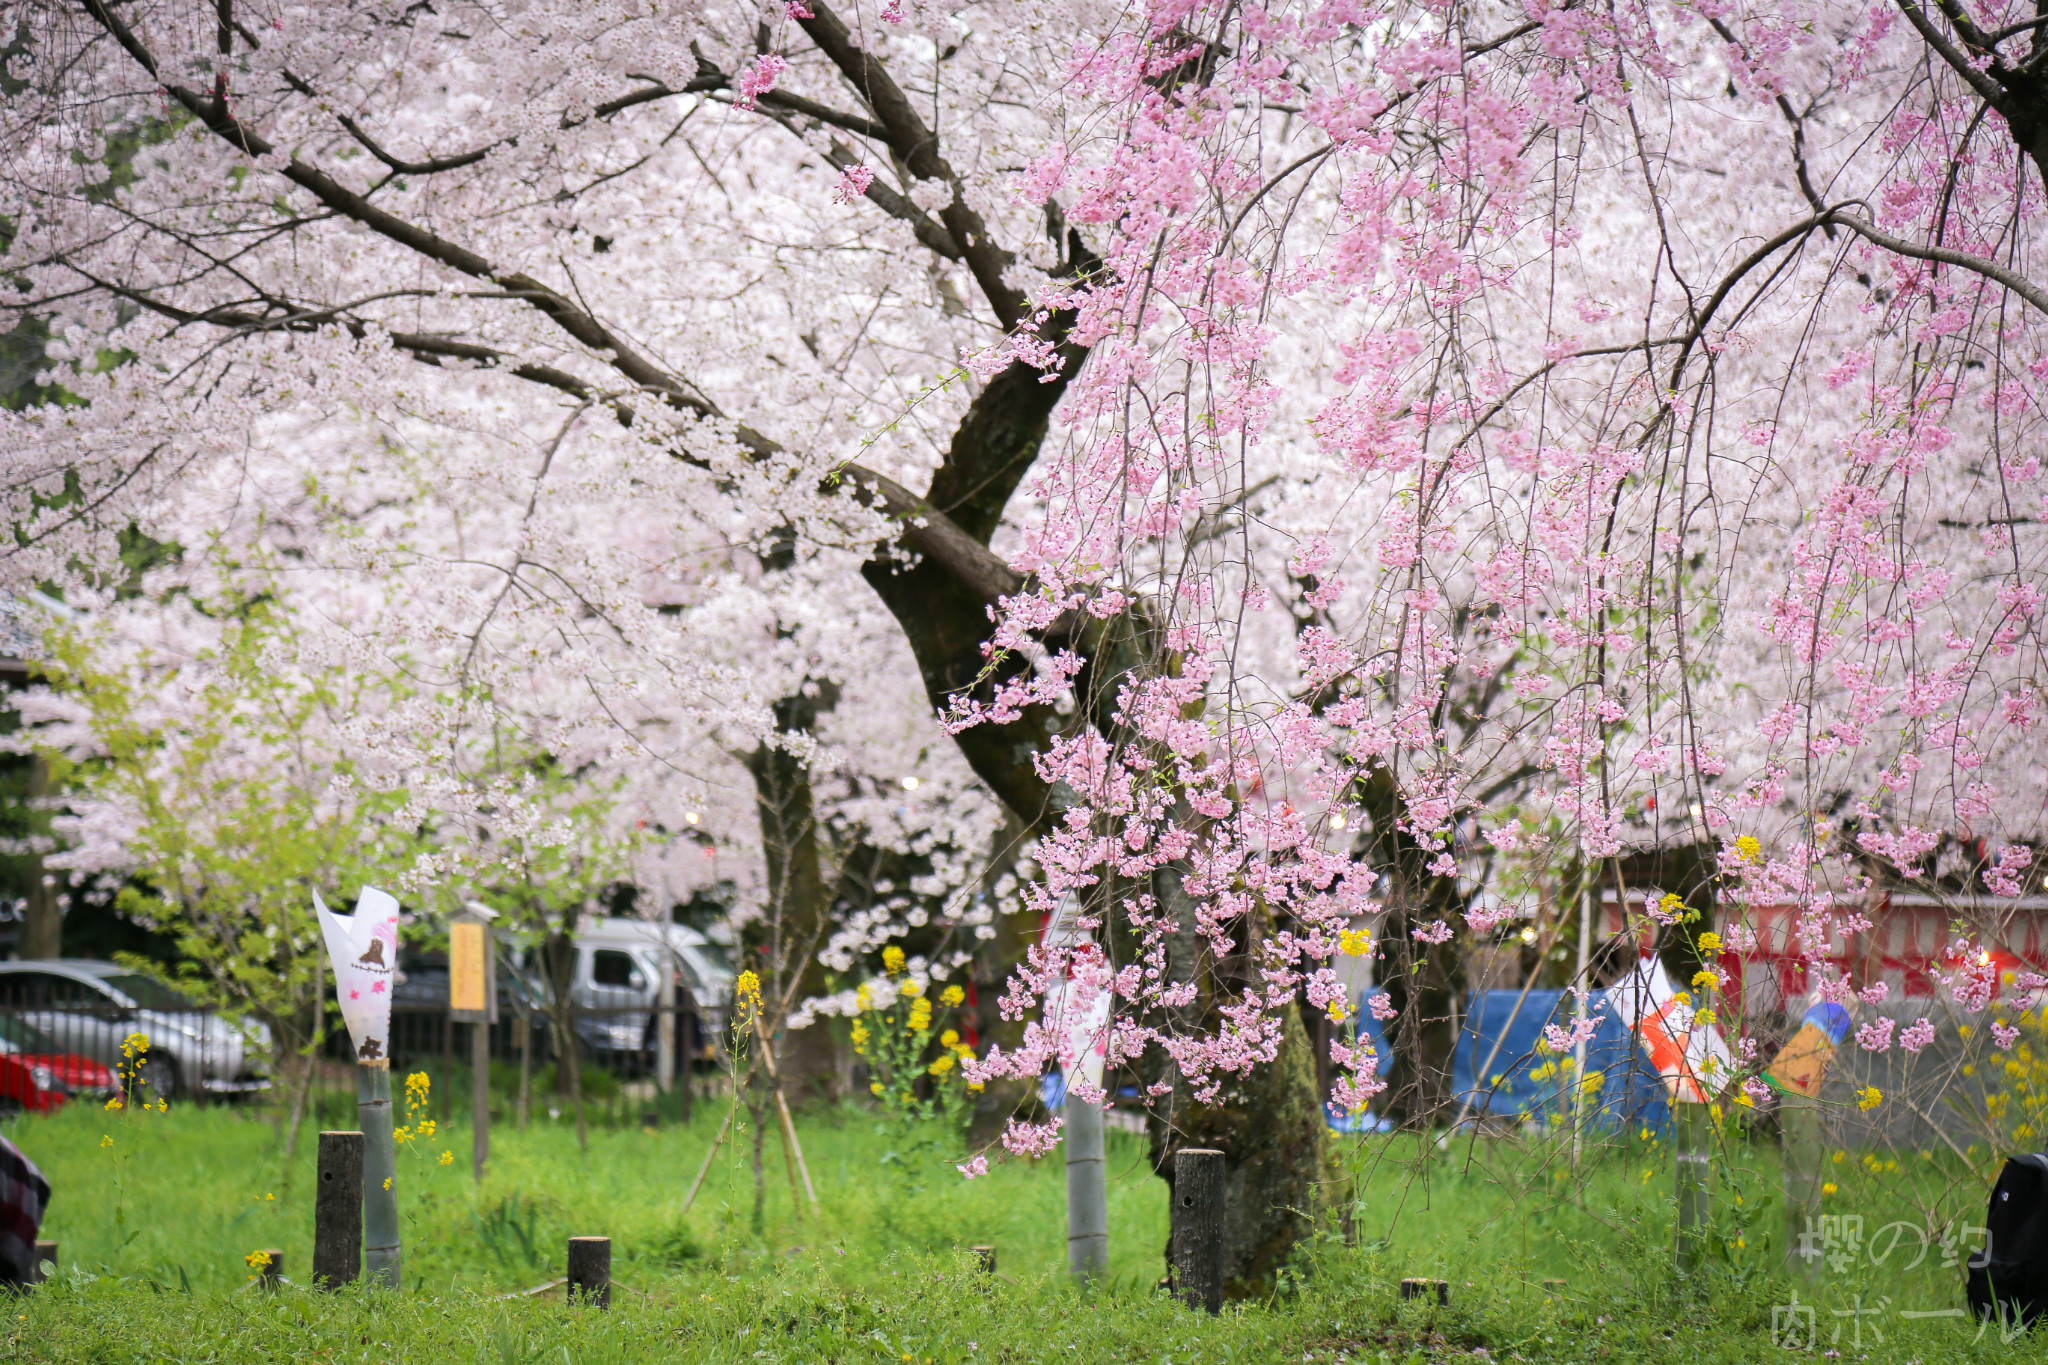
1536	428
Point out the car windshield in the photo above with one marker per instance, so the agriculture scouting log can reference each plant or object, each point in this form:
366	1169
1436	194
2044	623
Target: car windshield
714	953
17	1035
148	992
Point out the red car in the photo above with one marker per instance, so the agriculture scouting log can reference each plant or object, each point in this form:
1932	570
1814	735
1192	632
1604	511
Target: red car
36	1078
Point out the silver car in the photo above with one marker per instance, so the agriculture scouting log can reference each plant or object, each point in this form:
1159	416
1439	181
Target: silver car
92	1008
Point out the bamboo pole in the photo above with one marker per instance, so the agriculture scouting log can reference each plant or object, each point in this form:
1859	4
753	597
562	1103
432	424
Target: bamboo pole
381	1250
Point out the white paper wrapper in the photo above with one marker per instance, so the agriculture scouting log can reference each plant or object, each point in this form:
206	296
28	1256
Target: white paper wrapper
1689	1055
364	950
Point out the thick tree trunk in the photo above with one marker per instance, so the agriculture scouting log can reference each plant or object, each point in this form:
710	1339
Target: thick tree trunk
810	1060
1269	1127
42	931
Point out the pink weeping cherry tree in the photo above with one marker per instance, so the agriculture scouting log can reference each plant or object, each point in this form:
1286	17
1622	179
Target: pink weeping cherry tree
1310	453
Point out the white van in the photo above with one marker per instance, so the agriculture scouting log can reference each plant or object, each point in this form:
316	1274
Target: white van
618	967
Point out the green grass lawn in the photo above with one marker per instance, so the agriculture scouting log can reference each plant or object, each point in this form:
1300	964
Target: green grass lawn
157	1212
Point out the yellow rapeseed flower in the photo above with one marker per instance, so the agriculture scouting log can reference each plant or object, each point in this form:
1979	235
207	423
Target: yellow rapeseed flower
447	1158
860	1038
912	989
387	1182
106	1141
257	1259
892	959
1672	904
1707	979
952	997
1710	945
874	1087
1827	1187
1354	942
1748	847
920	1015
949	1037
941	1064
1868	1098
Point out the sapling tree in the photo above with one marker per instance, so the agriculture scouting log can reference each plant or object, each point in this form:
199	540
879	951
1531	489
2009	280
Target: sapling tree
206	778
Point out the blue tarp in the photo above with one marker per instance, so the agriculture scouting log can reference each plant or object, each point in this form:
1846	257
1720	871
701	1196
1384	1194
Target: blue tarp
1630	1091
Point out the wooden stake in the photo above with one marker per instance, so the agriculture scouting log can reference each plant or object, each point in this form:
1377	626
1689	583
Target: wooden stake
1440	1290
590	1271
45	1254
717	1139
1196	1235
338	1211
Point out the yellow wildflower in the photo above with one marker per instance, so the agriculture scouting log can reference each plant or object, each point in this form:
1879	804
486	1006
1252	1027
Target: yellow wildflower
1868	1098
1749	849
949	1038
1354	942
1707	979
106	1141
941	1064
920	1015
401	1135
1672	904
1743	1099
866	1001
860	1038
257	1259
1827	1187
912	989
892	959
417	1085
387	1182
447	1158
952	997
874	1087
1710	945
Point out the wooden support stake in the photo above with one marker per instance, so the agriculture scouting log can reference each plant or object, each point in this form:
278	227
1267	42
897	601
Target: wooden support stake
383	1258
1440	1290
716	1139
590	1271
338	1211
1196	1235
480	1098
272	1270
45	1254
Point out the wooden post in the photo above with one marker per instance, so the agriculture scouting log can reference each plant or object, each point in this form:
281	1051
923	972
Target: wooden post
381	1254
590	1271
1196	1235
338	1211
984	1259
272	1270
1799	1136
45	1254
1087	1190
473	1000
1440	1290
1688	1125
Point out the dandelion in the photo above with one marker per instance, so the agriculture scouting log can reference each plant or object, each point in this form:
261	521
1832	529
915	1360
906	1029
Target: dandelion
1868	1098
952	997
892	959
